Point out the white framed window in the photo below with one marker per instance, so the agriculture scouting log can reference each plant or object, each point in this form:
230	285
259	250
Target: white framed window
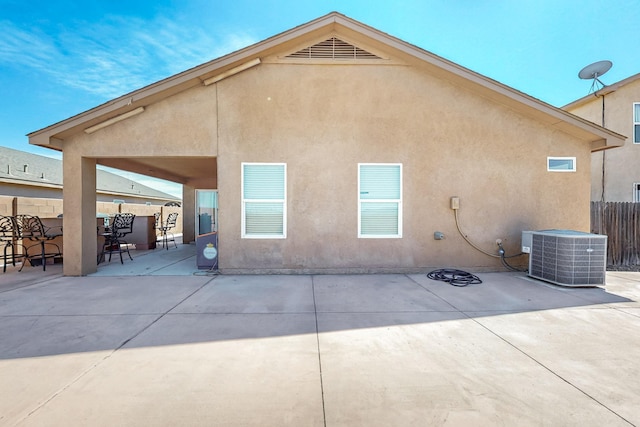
264	200
561	164
636	122
379	200
636	192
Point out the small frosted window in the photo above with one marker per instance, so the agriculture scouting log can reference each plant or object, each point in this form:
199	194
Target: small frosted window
561	164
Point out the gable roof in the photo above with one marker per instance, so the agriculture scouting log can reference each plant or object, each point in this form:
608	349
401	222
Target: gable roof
24	168
603	91
599	137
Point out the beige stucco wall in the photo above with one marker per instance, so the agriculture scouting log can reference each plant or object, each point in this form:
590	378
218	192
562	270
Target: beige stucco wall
621	164
327	119
322	120
180	125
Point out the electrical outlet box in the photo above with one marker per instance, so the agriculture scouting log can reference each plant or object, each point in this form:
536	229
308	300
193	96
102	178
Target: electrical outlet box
455	202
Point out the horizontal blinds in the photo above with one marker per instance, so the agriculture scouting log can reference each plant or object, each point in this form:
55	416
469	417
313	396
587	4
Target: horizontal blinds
379	182
379	218
264	218
264	182
380	193
264	193
636	120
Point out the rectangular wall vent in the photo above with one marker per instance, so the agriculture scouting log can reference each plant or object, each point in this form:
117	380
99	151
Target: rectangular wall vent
332	48
566	257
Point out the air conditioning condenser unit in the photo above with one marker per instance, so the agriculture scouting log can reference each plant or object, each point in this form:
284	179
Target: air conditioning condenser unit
566	257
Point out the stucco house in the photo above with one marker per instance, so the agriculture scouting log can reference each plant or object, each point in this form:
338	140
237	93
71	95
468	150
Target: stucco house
335	147
615	175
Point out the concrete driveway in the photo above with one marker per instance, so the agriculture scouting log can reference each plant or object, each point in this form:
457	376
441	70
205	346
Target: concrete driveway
334	350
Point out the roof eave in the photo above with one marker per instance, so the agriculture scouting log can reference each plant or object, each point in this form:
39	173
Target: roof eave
603	91
46	137
52	136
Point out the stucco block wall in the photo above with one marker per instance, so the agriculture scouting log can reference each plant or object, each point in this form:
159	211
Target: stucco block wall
621	169
327	119
6	205
45	208
141	210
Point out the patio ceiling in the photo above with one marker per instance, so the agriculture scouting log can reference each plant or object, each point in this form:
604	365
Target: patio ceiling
197	172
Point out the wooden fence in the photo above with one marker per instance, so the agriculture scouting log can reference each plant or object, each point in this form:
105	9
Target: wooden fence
620	221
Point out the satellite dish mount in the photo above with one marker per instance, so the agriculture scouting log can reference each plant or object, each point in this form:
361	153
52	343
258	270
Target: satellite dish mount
593	72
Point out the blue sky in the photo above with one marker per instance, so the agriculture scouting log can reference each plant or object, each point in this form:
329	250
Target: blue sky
60	58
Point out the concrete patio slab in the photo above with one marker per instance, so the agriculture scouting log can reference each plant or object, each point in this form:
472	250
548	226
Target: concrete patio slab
100	295
42	355
432	369
514	292
374	293
14	279
237	370
253	294
595	350
175	261
334	350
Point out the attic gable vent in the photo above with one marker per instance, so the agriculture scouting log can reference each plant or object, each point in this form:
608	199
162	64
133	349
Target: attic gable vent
332	48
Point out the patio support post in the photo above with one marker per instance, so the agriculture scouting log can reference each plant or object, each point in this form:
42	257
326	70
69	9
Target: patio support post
188	214
79	221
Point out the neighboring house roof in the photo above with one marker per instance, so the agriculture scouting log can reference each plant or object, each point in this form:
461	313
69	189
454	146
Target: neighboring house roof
31	169
603	91
599	137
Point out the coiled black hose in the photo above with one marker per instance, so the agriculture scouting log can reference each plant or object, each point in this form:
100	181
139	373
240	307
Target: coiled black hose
454	277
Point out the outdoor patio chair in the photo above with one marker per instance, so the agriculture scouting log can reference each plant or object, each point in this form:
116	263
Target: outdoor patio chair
165	230
119	226
9	240
30	227
156	225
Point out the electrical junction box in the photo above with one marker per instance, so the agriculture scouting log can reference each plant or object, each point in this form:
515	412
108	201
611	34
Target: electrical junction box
526	242
566	257
455	202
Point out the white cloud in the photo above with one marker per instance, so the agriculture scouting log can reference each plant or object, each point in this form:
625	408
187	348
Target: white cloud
117	55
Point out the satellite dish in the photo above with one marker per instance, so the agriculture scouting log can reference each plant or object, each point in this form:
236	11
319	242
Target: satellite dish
593	71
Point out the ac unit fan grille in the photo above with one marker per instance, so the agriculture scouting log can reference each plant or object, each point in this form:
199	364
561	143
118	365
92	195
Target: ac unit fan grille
568	260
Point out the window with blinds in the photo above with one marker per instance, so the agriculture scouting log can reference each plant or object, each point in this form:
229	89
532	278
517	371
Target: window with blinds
264	200
379	200
636	123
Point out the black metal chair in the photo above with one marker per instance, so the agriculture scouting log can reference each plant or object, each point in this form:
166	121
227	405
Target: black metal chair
119	226
165	230
30	227
9	239
156	225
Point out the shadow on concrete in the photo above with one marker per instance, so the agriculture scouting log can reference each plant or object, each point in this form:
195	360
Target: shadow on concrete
85	314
